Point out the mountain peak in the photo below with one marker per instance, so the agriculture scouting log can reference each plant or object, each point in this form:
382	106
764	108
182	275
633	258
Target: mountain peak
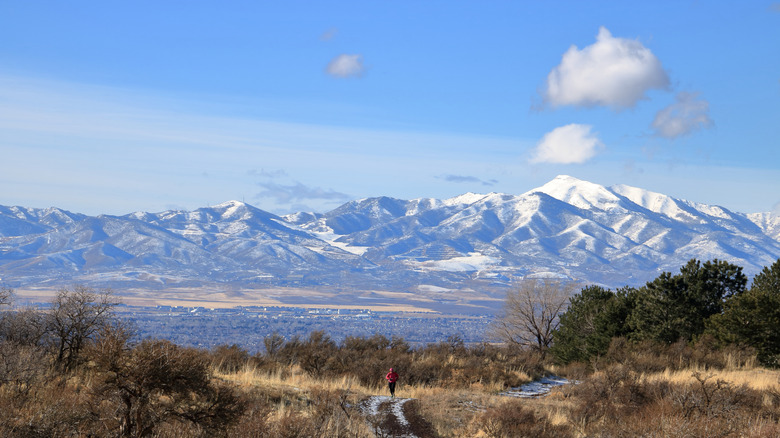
602	235
231	204
579	193
466	198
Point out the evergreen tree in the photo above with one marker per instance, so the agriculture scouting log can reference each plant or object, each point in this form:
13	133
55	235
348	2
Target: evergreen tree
674	307
768	279
753	318
594	317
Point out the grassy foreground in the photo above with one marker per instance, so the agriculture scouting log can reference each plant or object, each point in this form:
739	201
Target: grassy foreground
75	370
617	401
674	391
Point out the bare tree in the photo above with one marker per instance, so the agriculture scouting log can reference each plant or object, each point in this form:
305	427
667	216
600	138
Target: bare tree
531	311
75	318
6	295
273	343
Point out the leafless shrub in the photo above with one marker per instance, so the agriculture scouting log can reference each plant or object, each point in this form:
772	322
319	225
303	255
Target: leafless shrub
253	423
613	393
229	358
513	419
157	383
332	415
22	368
292	424
27	326
273	343
715	399
653	357
316	353
617	403
51	409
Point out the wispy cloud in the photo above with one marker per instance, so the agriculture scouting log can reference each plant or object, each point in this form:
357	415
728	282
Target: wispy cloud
570	144
468	179
329	34
267	173
612	72
297	192
688	114
346	66
775	7
109	150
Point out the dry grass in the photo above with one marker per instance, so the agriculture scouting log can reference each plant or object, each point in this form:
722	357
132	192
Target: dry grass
287	401
691	402
297	404
451	412
755	378
291	378
295	379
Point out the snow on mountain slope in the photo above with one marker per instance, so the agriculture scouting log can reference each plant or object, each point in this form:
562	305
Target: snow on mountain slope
18	221
655	202
581	194
568	227
769	223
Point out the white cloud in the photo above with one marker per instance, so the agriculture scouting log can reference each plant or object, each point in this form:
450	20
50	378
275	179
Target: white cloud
570	144
614	72
683	117
344	66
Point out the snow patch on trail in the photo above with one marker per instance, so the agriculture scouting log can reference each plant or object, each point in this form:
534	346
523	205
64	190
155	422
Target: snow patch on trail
537	388
398	410
374	402
371	408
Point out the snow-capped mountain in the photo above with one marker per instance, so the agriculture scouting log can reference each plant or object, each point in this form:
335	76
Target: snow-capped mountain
614	236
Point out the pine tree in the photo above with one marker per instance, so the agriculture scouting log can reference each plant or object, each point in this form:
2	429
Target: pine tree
674	307
594	317
753	318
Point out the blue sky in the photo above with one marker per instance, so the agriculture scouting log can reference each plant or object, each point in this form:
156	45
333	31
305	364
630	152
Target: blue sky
115	107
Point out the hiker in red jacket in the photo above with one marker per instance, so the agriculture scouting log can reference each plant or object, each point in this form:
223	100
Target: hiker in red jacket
391	377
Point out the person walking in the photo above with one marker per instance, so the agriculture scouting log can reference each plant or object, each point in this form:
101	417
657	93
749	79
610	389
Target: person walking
391	377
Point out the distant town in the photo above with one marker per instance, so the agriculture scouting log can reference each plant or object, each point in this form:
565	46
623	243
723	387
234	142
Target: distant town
247	326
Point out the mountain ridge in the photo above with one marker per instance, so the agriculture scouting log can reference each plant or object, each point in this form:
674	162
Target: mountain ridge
614	236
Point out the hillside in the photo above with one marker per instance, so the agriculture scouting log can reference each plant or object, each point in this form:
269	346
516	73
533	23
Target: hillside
568	227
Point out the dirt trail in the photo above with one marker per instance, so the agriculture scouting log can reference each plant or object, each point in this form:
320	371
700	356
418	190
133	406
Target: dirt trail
395	417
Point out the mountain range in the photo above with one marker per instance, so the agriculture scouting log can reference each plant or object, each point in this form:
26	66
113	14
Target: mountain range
568	228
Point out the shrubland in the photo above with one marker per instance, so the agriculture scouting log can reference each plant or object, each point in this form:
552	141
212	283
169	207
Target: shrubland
690	355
